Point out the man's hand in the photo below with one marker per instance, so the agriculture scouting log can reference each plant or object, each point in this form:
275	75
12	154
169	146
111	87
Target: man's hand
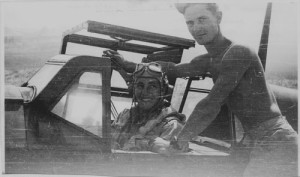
116	58
179	145
160	145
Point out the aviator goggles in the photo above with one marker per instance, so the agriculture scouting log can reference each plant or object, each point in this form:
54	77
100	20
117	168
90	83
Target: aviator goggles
151	70
150	67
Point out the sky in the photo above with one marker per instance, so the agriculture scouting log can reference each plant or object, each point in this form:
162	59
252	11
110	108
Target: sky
153	16
242	21
66	14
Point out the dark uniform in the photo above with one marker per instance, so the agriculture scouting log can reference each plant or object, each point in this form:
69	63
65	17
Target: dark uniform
240	83
127	128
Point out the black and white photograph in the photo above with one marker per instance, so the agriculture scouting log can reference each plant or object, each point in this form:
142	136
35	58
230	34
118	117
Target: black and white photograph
168	88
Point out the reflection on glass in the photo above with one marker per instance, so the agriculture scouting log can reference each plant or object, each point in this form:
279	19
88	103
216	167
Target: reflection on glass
82	104
207	83
117	80
191	101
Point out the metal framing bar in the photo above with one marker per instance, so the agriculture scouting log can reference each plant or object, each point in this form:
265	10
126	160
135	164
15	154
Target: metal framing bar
127	34
232	128
120	93
199	90
263	47
188	85
64	44
134	34
106	43
76	29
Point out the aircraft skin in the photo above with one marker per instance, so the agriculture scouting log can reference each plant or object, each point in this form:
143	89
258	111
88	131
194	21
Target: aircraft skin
38	141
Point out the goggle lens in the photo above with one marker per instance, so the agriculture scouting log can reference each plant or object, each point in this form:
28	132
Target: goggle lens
155	67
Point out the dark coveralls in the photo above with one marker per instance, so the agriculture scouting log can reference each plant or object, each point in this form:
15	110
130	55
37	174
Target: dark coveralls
240	83
127	134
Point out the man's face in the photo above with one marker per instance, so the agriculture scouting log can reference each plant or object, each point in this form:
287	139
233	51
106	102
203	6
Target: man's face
147	92
202	23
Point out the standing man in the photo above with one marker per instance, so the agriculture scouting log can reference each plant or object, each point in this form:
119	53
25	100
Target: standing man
239	82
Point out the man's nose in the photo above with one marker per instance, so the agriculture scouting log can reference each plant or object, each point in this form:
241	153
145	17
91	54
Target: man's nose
144	91
196	27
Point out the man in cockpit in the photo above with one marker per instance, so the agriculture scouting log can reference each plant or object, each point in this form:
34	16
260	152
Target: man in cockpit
150	123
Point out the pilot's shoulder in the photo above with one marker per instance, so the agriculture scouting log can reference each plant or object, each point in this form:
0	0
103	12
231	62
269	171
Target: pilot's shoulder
122	118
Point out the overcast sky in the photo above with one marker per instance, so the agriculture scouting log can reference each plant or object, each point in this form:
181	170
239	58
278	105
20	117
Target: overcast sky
242	22
153	16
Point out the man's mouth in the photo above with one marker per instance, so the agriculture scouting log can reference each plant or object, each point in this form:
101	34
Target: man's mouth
146	99
200	35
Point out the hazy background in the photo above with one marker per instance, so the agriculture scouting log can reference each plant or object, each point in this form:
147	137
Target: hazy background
33	30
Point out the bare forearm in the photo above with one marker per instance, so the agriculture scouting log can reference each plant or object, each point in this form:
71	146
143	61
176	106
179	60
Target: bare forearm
129	66
199	120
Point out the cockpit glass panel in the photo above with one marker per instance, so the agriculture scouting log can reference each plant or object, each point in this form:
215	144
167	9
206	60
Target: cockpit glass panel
82	103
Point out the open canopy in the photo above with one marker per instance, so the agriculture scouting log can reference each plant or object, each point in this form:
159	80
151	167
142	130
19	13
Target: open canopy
123	38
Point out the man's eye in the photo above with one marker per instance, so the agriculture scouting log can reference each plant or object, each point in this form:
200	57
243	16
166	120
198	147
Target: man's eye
190	23
139	86
153	87
201	20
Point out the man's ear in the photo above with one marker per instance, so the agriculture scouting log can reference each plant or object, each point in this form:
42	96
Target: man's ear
166	90
219	17
130	89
